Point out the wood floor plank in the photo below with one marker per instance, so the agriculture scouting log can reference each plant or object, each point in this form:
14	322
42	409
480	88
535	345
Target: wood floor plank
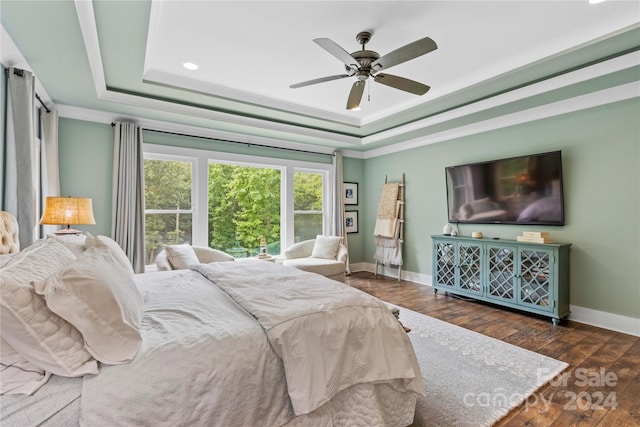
591	353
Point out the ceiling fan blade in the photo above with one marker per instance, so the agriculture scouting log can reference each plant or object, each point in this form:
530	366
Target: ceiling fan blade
404	53
320	80
355	96
401	83
334	49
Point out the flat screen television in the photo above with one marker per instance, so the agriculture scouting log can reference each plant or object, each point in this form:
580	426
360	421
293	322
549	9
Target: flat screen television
523	190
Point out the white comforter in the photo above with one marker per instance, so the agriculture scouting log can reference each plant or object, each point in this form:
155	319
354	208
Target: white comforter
330	336
205	361
201	359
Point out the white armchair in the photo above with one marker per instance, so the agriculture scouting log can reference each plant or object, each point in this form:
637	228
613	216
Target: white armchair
204	255
329	263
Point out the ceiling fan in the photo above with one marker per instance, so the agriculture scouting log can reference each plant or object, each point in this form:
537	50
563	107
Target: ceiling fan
367	63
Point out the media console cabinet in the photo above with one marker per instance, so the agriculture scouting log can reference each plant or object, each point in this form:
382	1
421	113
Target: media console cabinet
526	276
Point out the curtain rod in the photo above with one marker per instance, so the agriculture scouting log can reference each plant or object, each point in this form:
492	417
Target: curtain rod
20	72
42	103
248	144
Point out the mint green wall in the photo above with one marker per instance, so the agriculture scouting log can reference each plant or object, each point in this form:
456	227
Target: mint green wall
601	161
86	159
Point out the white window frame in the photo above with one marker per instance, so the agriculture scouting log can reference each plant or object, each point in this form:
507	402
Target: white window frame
326	199
194	186
199	185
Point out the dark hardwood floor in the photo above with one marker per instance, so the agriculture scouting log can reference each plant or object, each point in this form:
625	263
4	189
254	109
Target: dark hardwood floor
601	387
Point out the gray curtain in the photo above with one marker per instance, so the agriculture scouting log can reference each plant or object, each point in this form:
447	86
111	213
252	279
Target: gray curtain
127	219
49	166
20	183
338	227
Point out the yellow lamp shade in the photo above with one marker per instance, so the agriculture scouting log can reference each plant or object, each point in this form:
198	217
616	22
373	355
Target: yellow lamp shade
66	211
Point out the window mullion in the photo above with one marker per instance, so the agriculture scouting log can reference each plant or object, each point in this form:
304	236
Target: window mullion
200	201
287	219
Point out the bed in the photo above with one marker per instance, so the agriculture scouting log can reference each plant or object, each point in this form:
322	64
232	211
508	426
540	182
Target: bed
251	343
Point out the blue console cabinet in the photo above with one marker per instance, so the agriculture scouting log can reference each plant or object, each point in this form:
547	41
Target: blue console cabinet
527	276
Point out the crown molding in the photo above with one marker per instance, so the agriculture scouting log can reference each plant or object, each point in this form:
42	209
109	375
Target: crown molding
582	102
303	134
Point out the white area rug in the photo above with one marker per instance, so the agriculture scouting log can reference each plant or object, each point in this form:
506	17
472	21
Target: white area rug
472	379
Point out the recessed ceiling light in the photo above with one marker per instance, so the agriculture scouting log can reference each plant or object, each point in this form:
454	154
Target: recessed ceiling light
190	66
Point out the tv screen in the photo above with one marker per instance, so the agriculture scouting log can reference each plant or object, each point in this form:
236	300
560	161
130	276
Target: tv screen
517	190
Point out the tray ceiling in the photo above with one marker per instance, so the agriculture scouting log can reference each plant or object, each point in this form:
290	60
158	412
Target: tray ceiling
127	58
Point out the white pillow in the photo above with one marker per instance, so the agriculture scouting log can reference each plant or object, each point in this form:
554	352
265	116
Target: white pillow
181	256
74	242
98	295
28	325
326	247
18	375
118	253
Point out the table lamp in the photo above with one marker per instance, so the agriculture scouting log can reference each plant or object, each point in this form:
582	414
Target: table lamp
67	211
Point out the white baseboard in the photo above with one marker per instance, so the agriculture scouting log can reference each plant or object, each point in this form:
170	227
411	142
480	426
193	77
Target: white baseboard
600	319
423	279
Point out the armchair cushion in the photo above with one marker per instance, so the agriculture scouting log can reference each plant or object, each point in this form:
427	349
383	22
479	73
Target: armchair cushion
203	254
181	256
207	255
326	247
300	250
321	266
300	256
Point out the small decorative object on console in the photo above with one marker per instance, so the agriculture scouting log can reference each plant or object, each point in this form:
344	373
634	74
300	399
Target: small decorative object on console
446	230
535	237
476	235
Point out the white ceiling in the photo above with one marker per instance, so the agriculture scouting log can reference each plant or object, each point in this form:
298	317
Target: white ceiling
497	63
253	51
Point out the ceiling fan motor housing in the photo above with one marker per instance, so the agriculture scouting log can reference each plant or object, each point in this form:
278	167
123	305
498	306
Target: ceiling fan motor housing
365	58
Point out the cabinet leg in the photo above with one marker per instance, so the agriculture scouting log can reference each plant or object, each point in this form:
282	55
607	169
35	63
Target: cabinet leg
555	321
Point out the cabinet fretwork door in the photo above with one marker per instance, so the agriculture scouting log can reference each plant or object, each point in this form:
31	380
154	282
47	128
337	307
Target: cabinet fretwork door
501	271
469	267
445	273
535	278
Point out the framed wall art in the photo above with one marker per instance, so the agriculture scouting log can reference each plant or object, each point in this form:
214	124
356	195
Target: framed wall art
350	193
351	221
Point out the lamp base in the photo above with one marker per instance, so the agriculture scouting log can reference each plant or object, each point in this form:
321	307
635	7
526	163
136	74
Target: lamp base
67	232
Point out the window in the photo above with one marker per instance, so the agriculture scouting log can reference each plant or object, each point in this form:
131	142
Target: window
307	205
229	201
244	207
168	207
